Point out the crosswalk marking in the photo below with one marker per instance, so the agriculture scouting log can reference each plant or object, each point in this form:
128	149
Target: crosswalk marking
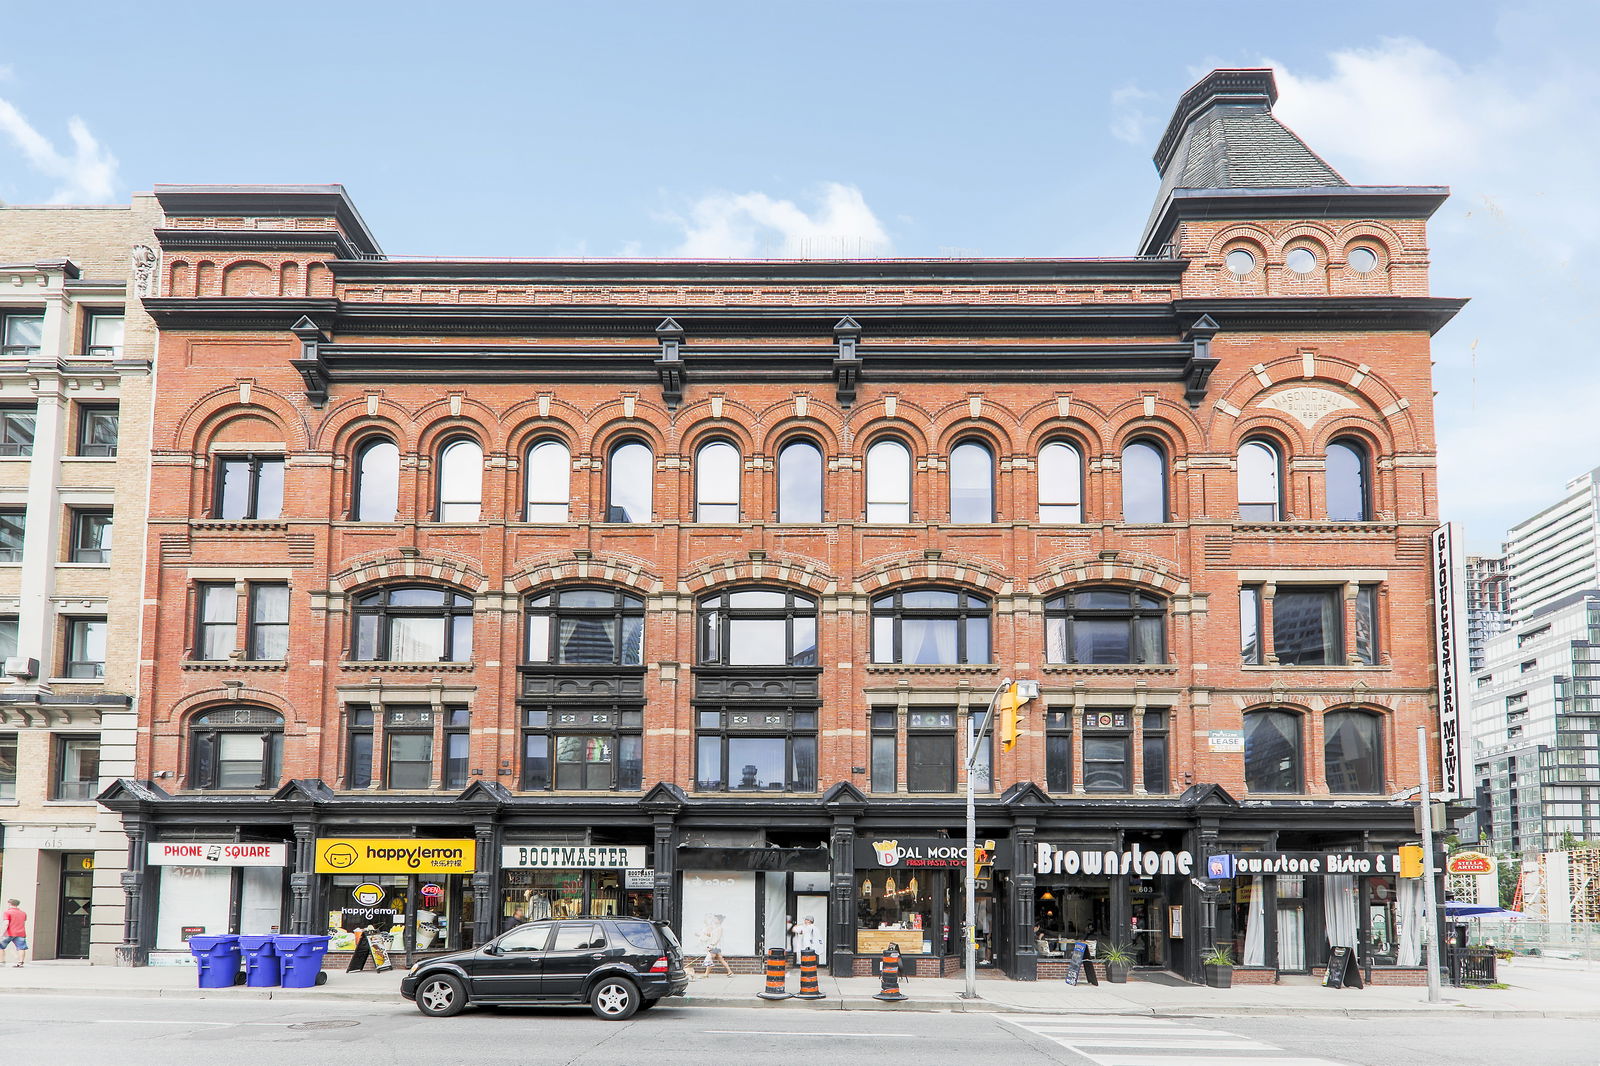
1139	1041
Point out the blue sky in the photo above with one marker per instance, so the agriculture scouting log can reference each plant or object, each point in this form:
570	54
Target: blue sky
890	127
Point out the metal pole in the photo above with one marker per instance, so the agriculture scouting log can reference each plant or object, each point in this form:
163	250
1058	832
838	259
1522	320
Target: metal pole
1430	919
973	737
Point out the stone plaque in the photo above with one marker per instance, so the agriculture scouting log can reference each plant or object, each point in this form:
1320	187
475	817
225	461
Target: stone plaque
1308	405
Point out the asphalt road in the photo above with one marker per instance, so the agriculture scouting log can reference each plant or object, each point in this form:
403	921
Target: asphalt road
56	1030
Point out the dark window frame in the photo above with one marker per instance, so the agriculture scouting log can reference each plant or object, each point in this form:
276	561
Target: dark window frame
968	605
451	441
8	765
1164	459
529	502
19	413
991	486
1368	652
14	518
1338	641
19	351
457	604
91	319
62	789
82	519
396	727
254	463
700	486
255	625
455	770
799	724
1252	619
1058	749
1061	611
1363	455
87	415
1378	765
205	730
1093	765
1297	770
359	732
10	634
814	492
1277	506
1156	727
621	722
76	634
884	727
202	627
360	476
625	605
910	483
616	514
943	730
716	615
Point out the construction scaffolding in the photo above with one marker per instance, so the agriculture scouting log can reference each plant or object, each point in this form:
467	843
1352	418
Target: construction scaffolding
1560	886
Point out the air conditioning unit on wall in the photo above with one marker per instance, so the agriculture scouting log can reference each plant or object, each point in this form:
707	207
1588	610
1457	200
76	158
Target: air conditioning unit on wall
19	666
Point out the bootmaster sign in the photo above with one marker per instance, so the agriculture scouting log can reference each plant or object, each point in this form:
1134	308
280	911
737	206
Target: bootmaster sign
362	855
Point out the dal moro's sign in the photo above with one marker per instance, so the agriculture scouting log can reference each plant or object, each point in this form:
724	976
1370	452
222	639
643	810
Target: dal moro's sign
1136	861
927	853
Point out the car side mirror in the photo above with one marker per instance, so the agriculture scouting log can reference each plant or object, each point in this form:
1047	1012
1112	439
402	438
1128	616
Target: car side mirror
491	949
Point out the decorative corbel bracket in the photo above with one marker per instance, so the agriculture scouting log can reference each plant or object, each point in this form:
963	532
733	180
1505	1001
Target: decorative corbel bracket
847	364
1197	372
670	366
313	371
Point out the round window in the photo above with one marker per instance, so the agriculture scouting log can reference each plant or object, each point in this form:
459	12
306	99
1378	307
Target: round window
1363	260
1300	260
1240	262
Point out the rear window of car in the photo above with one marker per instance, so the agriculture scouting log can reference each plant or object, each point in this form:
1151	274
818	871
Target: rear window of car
578	937
640	934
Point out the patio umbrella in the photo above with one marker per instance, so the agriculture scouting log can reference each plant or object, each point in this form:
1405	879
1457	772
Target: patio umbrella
1457	909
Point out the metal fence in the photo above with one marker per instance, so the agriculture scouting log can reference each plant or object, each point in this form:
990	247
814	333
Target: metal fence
1569	939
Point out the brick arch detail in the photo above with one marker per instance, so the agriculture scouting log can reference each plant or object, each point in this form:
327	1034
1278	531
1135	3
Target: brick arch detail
911	420
944	570
1086	422
561	570
783	570
348	420
187	707
199	423
388	566
1143	571
1172	421
1373	392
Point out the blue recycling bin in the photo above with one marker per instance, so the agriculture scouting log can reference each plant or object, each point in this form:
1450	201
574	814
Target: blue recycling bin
261	968
217	959
301	959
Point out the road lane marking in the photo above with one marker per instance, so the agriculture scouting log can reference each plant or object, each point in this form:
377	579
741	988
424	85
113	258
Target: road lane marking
866	1033
1119	1042
158	1021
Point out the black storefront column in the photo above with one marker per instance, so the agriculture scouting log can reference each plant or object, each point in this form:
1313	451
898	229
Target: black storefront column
1024	946
843	909
664	852
303	880
485	913
131	952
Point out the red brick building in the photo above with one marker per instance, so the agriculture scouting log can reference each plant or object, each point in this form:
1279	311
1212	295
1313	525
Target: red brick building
672	587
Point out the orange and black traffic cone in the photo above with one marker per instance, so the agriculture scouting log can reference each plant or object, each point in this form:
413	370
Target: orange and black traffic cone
777	972
808	977
891	976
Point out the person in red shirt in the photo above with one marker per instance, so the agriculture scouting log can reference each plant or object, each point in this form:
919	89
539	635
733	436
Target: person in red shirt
14	931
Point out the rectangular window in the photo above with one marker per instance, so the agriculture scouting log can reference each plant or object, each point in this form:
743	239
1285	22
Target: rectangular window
91	536
21	335
86	647
8	635
457	744
97	429
884	751
217	632
983	764
13	527
1250	625
1105	763
249	487
269	621
358	767
1367	625
408	740
586	749
766	750
77	768
1307	626
16	430
1530	666
1155	752
1058	751
931	751
103	336
8	767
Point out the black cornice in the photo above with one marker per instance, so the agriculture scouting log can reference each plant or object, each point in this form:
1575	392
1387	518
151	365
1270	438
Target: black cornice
1142	270
1294	313
255	240
1333	201
244	313
278	201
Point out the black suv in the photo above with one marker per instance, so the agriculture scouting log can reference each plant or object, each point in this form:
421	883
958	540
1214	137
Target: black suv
618	966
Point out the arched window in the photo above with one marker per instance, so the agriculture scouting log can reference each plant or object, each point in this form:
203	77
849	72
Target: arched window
971	483
1353	752
800	482
1060	483
888	482
930	626
1346	475
1272	752
758	627
461	481
586	627
1260	498
1144	482
236	747
377	481
549	470
1105	625
632	482
716	483
413	625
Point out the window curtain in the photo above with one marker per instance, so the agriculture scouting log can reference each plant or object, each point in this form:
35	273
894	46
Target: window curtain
416	640
1410	953
1291	938
1255	925
928	640
1339	907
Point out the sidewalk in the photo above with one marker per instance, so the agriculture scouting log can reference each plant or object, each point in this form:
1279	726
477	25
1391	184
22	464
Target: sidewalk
1538	988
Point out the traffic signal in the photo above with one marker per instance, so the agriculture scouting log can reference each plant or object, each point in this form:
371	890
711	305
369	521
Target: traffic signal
1410	860
1009	705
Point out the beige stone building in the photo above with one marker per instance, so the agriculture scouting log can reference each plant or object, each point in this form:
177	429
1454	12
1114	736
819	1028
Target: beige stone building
75	381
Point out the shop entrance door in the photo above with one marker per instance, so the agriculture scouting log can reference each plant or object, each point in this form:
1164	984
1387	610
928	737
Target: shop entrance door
1148	913
814	906
77	900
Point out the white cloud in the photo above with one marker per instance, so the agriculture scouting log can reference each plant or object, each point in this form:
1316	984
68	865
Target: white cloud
754	225
1132	117
87	175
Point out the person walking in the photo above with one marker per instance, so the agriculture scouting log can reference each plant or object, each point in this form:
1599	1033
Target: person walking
14	932
711	933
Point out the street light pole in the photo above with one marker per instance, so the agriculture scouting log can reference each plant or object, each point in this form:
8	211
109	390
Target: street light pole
974	737
1430	921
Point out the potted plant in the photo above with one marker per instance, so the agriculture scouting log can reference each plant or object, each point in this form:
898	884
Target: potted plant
1118	959
1218	965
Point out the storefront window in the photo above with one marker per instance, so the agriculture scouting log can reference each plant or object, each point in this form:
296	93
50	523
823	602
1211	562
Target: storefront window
897	906
1071	908
534	895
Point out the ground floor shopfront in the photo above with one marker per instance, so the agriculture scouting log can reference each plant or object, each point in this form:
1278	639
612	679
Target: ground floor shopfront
844	874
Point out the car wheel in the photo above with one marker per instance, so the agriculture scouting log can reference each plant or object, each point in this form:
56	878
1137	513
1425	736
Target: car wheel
441	996
615	999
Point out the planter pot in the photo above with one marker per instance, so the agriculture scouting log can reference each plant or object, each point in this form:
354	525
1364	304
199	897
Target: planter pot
1117	972
1219	976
